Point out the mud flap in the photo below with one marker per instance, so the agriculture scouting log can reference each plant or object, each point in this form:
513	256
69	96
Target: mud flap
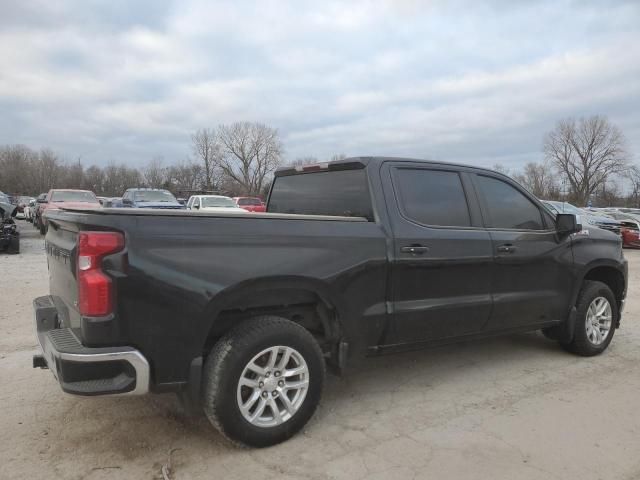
567	330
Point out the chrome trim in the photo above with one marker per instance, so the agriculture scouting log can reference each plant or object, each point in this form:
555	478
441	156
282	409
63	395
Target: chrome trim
128	354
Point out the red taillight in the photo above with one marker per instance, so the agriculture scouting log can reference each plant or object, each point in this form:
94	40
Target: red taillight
95	296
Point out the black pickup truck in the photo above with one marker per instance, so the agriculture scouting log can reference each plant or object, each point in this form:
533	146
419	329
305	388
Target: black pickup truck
243	313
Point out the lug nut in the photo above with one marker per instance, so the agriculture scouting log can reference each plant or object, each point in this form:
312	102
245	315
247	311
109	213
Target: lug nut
264	394
267	374
274	393
261	384
277	374
281	383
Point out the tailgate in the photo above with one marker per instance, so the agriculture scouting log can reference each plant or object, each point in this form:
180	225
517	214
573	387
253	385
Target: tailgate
60	244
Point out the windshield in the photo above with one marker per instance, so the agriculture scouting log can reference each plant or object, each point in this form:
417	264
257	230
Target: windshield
217	202
154	196
249	201
73	196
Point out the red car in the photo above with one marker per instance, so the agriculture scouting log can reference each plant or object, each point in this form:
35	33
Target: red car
57	198
252	204
630	234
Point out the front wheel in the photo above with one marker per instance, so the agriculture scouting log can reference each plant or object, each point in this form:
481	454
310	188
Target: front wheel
596	317
262	381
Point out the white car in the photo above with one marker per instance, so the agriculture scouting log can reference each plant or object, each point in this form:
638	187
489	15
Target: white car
213	203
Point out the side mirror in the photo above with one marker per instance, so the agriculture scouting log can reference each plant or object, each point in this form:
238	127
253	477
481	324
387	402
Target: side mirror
197	207
568	223
127	201
42	200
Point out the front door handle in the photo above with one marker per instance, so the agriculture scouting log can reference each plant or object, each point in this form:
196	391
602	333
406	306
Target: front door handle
507	248
414	249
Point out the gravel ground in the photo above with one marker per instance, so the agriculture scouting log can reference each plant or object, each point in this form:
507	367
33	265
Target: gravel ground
513	407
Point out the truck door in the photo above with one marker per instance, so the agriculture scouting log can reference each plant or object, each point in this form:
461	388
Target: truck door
440	269
531	273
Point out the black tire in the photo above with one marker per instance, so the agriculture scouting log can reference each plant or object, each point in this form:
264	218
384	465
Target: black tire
226	363
580	344
14	245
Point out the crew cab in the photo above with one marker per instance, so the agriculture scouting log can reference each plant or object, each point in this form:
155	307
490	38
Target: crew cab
57	198
251	204
150	198
213	203
241	315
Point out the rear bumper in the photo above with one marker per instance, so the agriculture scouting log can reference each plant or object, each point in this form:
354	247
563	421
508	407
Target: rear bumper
82	370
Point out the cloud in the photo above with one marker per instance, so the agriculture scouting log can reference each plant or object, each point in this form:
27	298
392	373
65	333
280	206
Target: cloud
478	83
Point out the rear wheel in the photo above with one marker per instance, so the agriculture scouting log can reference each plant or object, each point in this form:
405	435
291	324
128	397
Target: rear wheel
263	381
14	245
596	317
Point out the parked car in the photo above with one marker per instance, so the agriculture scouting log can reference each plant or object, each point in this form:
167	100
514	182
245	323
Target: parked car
58	198
9	234
213	203
251	204
37	209
150	198
630	228
363	256
21	203
599	220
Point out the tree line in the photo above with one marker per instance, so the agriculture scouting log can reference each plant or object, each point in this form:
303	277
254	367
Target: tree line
584	161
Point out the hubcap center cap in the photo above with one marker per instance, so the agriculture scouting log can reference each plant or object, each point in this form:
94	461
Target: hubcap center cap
270	384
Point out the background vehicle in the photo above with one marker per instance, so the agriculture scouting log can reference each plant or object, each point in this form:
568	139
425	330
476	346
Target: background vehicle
630	228
360	257
40	200
21	203
57	198
599	220
251	204
213	203
9	235
150	198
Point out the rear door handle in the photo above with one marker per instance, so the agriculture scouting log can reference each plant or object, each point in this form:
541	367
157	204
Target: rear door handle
414	249
508	248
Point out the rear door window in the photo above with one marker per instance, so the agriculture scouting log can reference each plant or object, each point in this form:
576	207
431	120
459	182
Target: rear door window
508	208
432	197
333	193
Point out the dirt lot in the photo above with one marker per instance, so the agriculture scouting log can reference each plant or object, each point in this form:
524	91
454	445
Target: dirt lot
514	407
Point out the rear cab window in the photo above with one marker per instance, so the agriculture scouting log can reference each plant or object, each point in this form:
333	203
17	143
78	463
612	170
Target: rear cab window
332	193
431	197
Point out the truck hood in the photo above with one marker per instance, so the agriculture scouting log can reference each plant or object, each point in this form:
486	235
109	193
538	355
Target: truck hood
223	209
87	205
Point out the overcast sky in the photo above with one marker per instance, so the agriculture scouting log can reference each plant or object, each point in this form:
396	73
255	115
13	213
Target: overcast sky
122	80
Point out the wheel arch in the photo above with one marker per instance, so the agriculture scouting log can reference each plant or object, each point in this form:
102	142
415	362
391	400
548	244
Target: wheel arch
611	274
309	302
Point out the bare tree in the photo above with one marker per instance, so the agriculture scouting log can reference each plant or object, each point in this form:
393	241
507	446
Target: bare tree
633	175
119	177
207	150
251	152
186	176
94	179
587	152
498	167
154	173
302	161
540	180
